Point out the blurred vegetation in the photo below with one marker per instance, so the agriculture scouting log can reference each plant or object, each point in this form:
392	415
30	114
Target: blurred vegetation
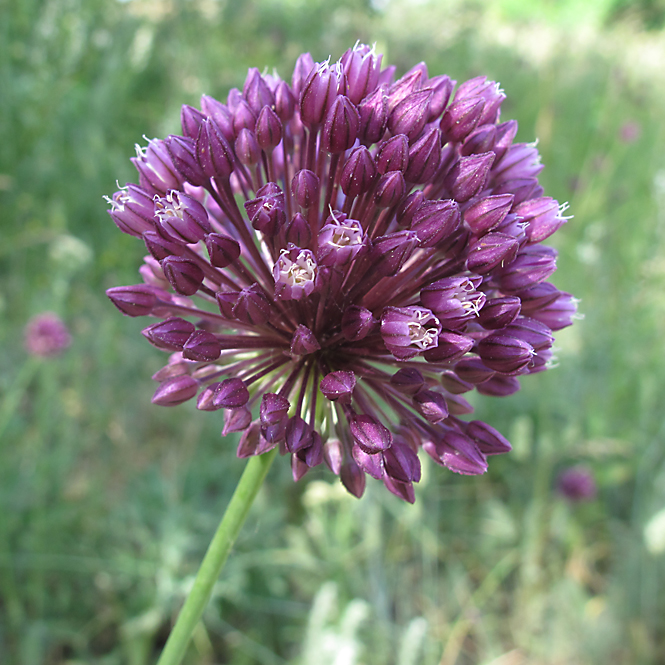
107	503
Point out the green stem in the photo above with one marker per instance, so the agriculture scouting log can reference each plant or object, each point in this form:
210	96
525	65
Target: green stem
215	558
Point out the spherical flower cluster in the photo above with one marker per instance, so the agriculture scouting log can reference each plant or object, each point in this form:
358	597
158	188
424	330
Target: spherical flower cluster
335	262
46	335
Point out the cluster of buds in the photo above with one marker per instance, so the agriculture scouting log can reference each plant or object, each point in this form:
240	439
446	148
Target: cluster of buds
335	262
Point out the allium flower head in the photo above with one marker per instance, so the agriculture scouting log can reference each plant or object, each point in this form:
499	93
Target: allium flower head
576	484
46	335
335	261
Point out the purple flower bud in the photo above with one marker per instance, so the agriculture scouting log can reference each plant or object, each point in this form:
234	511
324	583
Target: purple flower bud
181	217
505	353
370	434
268	129
274	415
533	264
353	478
243	118
410	115
340	241
532	331
358	172
401	490
231	394
303	342
303	68
190	120
221	116
490	251
521	188
298	231
333	455
424	157
498	313
577	484
252	442
390	189
521	160
256	91
182	151
319	91
156	169
204	402
557	314
305	188
457	452
373	112
252	306
362	68
312	455
213	151
357	323
183	274
390	252
202	346
435	221
401	463
135	300
236	420
338	386
431	405
159	247
285	102
482	139
489	91
46	336
247	148
453	307
537	297
170	334
132	210
458	406
453	384
340	127
407	331
473	370
505	134
450	347
295	273
175	391
441	87
298	434
484	214
410	82
488	440
226	300
223	251
499	386
469	175
408	208
371	464
267	211
393	154
407	380
461	118
543	217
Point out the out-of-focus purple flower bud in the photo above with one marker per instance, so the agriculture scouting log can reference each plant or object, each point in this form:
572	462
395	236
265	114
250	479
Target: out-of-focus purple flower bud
458	406
543	217
370	434
311	456
424	157
577	484
362	67
183	274
559	313
411	114
408	208
533	264
505	353
338	386
268	129
175	391
481	139
333	455
46	336
537	297
202	346
256	91
393	154
431	405
340	127
170	334
488	440
401	463
390	189
132	210
285	102
243	118
213	151
353	478
190	120
267	211
512	225
305	188
319	91
468	176
135	300
295	273
407	380
252	306
532	331
247	148
499	386
236	420
450	347
410	82
489	91
357	323
521	188
390	252
435	221
373	112
505	134
156	169
231	394
204	402
303	341
498	313
404	491
441	87
461	118
358	172
521	160
457	452
407	331
453	384
371	464
252	442
473	370
220	115
182	151
223	251
181	217
340	240
301	71
298	434
484	214
491	251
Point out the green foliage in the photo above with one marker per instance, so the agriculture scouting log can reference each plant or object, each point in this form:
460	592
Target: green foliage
108	503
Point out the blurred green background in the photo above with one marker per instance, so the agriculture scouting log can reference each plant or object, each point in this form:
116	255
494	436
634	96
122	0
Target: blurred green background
107	503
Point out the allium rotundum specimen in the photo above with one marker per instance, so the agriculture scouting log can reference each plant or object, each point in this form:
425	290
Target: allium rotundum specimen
335	262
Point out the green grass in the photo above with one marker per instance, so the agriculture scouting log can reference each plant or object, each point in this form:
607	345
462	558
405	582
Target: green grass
107	503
